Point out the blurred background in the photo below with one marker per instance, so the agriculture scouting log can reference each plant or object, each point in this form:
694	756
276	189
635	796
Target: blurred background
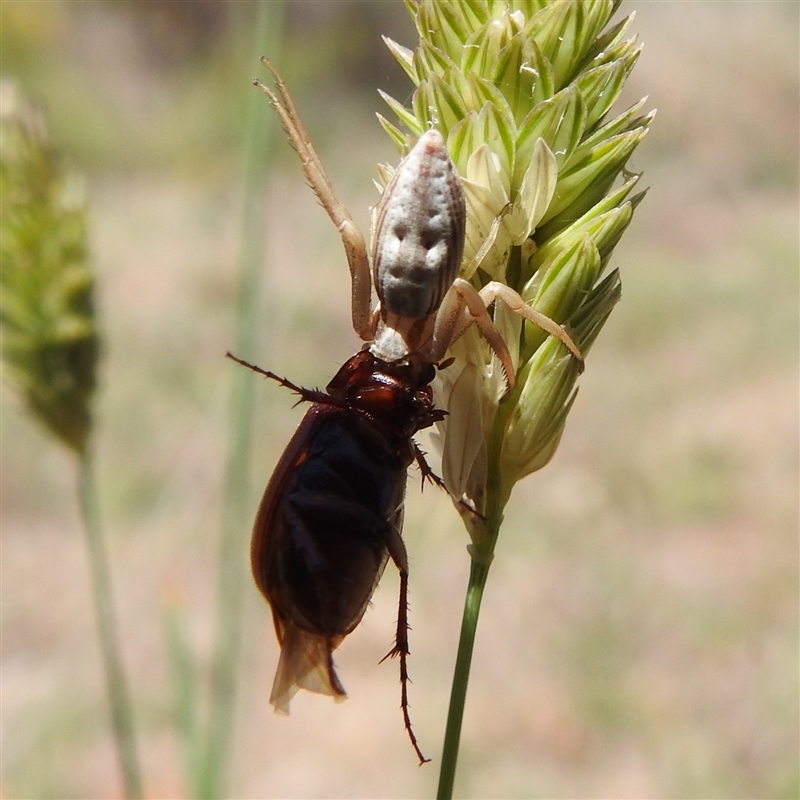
639	636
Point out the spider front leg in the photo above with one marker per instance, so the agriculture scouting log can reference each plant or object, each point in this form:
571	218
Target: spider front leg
464	305
355	247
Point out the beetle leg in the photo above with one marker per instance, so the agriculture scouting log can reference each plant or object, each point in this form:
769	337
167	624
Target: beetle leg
425	469
397	551
429	474
354	245
401	649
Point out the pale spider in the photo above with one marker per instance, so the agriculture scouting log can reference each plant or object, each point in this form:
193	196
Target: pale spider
417	246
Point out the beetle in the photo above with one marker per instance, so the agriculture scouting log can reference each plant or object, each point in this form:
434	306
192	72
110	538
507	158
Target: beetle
331	516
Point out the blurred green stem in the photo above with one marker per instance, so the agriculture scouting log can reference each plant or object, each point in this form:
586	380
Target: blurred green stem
236	512
116	683
184	674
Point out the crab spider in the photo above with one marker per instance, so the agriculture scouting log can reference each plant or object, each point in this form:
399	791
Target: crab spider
417	246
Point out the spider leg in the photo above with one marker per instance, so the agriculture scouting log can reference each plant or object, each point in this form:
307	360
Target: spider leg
464	305
495	290
353	240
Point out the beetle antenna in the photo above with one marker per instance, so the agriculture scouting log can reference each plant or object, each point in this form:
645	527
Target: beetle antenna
306	395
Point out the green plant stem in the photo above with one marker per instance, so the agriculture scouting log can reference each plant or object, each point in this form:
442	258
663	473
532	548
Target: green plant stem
478	574
116	683
236	497
484	533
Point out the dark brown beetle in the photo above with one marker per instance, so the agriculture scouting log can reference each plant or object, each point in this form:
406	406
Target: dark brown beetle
332	516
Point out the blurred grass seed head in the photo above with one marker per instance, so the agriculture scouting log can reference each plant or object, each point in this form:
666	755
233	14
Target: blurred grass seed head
520	90
49	341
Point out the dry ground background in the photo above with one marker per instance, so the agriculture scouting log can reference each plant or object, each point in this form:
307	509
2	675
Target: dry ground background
639	637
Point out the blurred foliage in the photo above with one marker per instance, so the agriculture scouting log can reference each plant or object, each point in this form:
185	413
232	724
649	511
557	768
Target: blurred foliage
161	83
50	344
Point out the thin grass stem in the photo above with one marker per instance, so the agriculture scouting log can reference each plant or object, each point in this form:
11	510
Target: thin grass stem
116	682
236	494
484	533
479	572
184	674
